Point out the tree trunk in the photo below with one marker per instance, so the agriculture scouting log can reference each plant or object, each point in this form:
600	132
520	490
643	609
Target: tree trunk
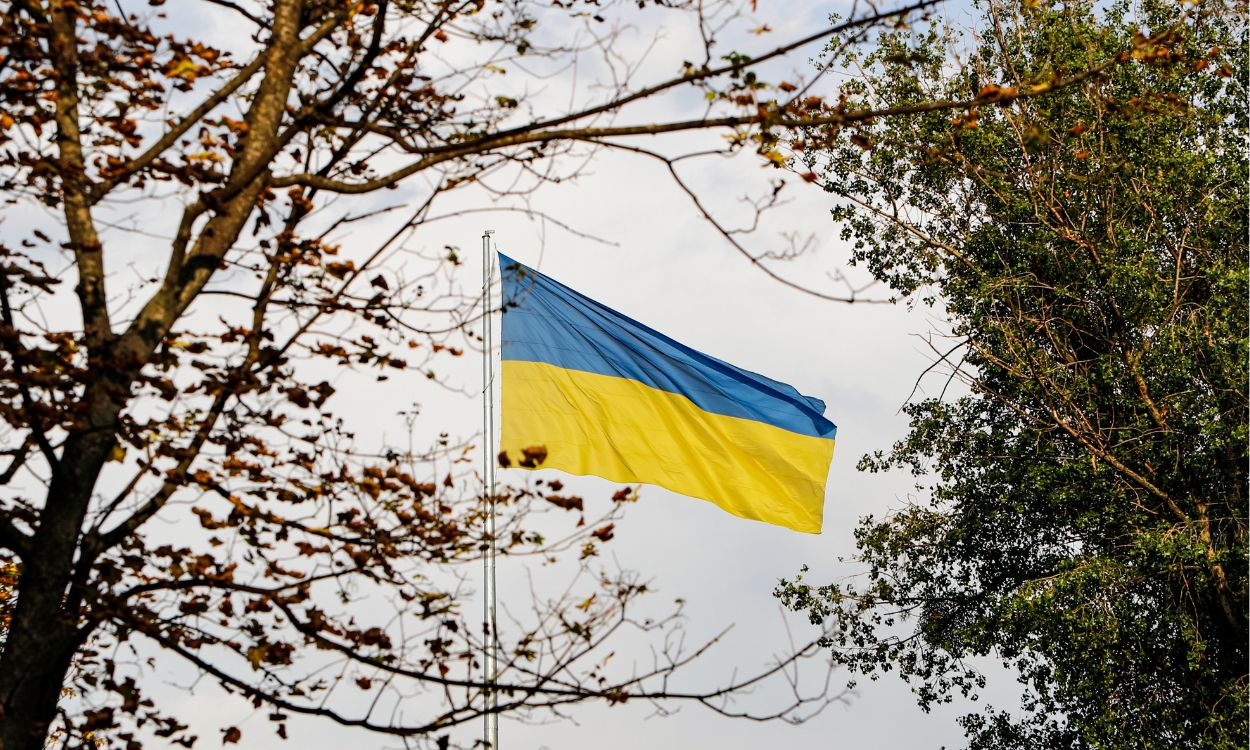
37	655
44	633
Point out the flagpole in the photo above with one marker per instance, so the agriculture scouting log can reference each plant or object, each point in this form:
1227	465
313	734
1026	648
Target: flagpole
490	728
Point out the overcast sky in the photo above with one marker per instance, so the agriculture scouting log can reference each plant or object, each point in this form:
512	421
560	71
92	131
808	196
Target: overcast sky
670	270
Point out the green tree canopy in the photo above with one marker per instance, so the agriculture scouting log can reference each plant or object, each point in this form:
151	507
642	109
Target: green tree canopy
1084	513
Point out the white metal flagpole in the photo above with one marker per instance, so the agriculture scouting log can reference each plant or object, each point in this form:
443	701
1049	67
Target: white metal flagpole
490	729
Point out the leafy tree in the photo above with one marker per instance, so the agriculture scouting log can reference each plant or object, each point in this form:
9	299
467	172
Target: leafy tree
1086	512
184	284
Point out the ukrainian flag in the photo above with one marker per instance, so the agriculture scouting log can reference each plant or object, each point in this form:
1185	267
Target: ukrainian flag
608	396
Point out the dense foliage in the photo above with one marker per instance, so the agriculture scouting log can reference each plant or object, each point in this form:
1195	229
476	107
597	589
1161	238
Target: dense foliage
1085	519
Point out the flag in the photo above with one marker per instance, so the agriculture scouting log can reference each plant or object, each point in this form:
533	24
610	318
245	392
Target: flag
607	396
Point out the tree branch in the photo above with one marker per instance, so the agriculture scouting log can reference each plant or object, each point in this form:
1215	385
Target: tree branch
84	241
142	161
440	154
12	345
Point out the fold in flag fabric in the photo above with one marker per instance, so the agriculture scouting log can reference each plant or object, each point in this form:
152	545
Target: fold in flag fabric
607	396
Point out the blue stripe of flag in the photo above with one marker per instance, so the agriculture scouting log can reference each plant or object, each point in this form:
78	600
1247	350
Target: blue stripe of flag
548	322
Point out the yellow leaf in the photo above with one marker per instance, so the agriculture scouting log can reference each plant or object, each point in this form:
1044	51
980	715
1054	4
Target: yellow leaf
184	69
256	655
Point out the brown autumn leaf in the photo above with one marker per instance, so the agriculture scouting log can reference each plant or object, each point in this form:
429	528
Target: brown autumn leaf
231	735
533	456
567	503
992	92
604	533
